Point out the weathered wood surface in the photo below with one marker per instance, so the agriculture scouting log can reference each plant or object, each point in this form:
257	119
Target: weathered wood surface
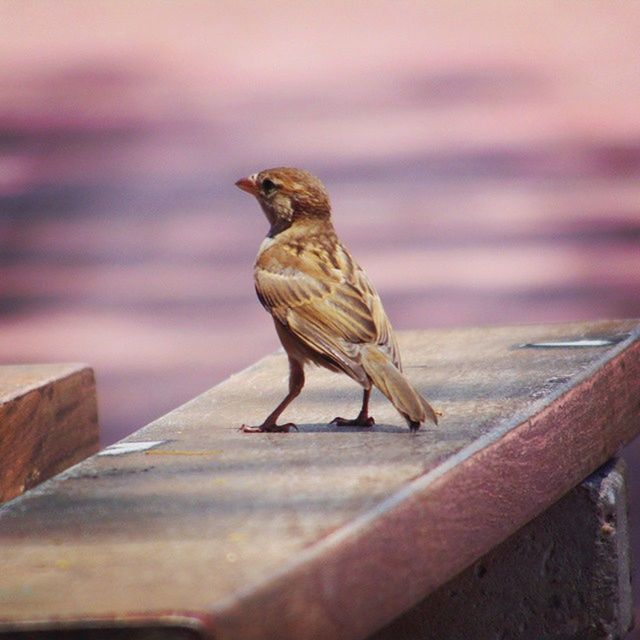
328	532
48	422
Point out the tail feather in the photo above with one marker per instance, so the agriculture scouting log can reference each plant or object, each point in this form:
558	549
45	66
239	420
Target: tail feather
392	383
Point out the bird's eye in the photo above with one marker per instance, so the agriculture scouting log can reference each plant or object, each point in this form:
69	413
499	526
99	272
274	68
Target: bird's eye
268	186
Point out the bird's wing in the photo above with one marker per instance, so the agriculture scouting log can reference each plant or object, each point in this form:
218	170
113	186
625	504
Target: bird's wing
327	301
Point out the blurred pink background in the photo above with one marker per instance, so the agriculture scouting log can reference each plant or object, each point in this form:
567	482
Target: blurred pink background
483	161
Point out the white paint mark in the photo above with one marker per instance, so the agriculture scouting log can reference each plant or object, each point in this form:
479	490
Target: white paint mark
573	343
120	448
604	341
584	342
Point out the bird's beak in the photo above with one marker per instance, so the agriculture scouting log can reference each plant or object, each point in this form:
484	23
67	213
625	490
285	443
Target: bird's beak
249	185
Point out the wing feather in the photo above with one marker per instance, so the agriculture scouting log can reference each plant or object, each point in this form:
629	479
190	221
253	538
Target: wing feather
326	300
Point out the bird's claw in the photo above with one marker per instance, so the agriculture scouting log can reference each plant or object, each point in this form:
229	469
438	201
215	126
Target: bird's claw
355	422
269	428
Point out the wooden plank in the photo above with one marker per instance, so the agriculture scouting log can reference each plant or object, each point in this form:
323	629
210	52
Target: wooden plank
48	422
326	532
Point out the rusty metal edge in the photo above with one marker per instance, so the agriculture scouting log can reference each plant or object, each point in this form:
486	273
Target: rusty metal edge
195	621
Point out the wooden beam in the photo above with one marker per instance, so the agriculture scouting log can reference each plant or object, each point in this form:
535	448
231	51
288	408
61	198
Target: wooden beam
48	422
327	532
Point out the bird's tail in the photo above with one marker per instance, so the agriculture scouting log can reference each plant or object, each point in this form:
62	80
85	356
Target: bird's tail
390	380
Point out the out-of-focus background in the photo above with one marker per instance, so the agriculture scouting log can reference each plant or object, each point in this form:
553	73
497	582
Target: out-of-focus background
483	161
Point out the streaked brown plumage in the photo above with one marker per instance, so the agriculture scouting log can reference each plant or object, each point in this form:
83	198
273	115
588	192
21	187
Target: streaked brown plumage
324	308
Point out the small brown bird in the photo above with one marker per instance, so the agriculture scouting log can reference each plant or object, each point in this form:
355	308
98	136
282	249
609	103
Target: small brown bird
324	308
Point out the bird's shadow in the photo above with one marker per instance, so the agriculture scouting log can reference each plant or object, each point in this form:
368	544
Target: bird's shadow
332	428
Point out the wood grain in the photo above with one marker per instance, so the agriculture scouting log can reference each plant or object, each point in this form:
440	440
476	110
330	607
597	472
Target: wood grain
48	422
328	532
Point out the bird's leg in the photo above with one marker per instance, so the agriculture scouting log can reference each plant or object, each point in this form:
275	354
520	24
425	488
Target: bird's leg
296	382
363	419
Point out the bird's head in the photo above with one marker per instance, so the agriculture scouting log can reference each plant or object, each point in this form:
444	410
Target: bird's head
288	195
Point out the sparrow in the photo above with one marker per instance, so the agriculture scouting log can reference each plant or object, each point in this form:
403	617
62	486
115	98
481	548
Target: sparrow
325	309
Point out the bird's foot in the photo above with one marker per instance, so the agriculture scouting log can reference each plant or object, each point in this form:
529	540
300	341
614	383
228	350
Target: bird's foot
269	428
414	426
360	421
